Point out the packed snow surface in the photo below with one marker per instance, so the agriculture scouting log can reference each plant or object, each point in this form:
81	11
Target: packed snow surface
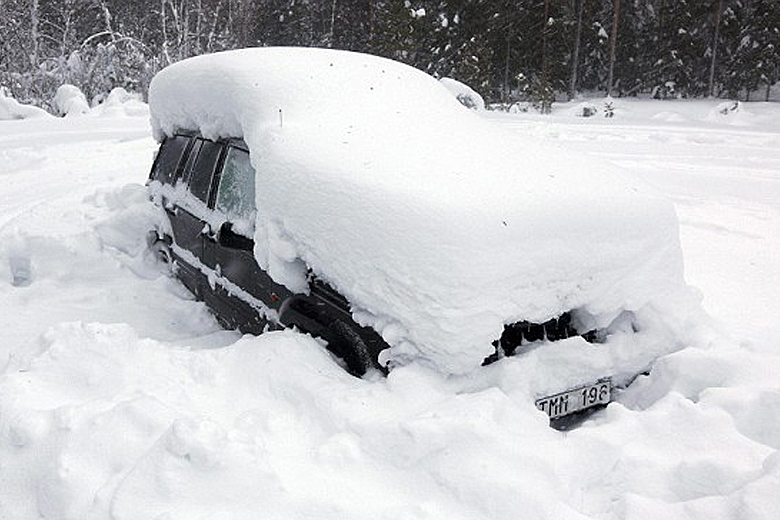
121	398
438	226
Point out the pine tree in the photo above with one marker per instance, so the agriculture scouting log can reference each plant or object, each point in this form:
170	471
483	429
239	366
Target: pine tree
630	69
613	44
682	64
766	35
595	45
575	53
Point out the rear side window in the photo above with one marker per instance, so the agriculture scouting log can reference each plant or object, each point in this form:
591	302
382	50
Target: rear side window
168	160
236	194
203	170
194	151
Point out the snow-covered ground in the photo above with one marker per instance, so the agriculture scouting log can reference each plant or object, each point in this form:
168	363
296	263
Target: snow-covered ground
121	398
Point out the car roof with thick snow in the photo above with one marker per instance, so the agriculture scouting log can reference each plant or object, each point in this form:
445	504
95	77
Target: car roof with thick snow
438	226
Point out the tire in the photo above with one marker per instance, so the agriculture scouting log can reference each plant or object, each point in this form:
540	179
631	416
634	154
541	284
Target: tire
162	254
347	345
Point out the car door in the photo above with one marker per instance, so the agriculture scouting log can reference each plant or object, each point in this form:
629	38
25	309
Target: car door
189	214
244	290
175	156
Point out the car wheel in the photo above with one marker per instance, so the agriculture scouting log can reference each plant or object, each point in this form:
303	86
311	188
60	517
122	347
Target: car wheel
346	344
160	250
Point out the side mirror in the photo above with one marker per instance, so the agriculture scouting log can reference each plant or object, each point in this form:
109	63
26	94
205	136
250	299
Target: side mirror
232	240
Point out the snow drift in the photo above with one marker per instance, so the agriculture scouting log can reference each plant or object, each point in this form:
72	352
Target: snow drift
120	102
12	109
438	226
70	101
467	96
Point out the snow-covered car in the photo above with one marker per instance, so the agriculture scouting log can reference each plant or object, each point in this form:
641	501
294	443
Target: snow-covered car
207	189
354	198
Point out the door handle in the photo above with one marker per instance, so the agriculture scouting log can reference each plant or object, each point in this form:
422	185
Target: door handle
171	208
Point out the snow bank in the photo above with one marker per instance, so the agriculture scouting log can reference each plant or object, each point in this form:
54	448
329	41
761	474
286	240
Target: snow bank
12	109
669	116
120	102
103	424
585	109
732	112
438	226
70	101
467	96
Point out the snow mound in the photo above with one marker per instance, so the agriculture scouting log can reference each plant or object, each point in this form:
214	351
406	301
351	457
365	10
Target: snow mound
520	107
732	112
12	109
70	101
669	117
120	102
585	109
438	226
467	96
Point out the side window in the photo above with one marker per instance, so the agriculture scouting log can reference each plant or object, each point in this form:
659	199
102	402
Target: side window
166	166
236	194
187	175
202	172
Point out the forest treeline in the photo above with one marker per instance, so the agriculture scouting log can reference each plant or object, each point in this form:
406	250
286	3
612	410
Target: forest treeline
508	50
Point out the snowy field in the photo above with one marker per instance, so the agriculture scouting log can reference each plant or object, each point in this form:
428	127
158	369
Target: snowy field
121	398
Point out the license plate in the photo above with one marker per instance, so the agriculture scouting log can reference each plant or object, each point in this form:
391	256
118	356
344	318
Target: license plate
575	400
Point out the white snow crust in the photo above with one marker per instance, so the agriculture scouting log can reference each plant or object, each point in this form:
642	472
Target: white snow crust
438	226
